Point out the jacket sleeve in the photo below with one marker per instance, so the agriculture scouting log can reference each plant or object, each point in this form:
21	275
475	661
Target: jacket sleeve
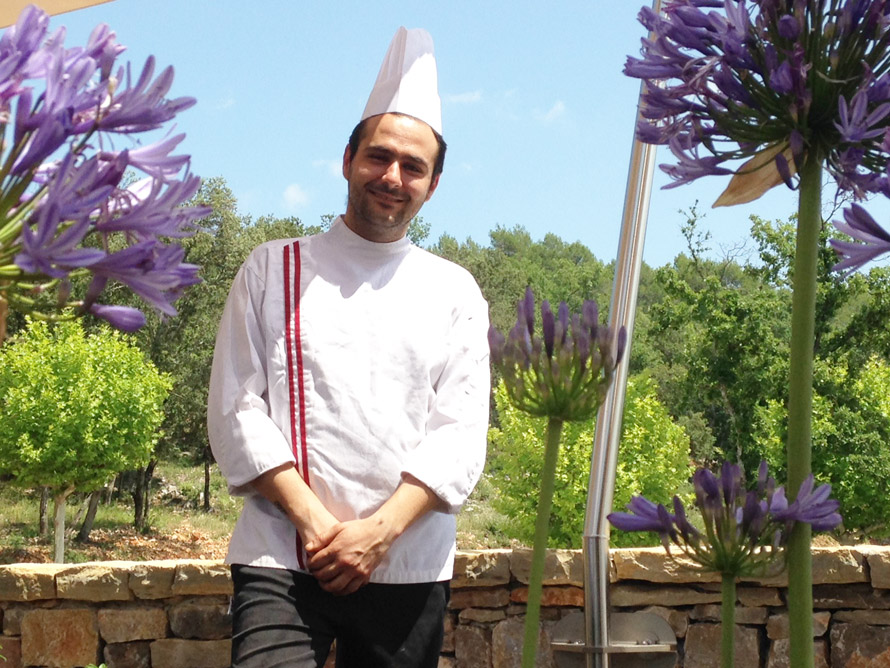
450	458
244	439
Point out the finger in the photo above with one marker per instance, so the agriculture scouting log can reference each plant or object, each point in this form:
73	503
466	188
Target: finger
321	559
323	539
337	585
328	574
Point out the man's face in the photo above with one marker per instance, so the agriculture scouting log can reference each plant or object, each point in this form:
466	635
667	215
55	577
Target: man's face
390	176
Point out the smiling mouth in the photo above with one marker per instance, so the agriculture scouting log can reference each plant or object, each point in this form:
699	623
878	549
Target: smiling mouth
385	196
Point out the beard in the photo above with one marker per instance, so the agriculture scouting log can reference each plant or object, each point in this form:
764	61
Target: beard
365	204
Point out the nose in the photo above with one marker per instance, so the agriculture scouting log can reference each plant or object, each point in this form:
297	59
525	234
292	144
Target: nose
393	173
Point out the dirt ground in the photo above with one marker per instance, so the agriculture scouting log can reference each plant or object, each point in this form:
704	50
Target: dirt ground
125	543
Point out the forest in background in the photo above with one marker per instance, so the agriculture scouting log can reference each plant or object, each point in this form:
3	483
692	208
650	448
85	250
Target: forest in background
708	366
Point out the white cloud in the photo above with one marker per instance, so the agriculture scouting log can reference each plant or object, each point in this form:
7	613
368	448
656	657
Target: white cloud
334	167
225	103
556	111
295	196
470	97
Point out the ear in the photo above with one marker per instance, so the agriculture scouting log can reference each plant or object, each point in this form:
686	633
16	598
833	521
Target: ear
433	185
347	161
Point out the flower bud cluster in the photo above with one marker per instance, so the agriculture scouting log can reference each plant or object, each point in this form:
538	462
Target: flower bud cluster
744	532
66	208
563	371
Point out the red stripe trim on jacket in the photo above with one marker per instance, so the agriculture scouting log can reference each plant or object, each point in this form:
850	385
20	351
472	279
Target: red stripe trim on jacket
301	390
292	342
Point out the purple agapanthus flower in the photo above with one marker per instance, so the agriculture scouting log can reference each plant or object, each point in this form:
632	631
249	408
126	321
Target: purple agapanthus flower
730	81
744	531
736	82
65	208
562	372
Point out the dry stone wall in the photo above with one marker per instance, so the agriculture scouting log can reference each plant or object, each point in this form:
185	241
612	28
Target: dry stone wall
174	614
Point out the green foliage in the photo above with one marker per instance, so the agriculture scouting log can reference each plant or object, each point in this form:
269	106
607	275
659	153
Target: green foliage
721	337
75	409
851	429
555	270
653	460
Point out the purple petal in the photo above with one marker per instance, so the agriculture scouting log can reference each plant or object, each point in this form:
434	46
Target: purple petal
124	318
875	241
548	327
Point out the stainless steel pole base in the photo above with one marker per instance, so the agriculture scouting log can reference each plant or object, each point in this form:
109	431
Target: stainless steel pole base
636	640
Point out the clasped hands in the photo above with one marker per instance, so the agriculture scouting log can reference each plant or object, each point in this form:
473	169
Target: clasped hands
343	557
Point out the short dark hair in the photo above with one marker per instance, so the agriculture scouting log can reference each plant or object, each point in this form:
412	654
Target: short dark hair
358	132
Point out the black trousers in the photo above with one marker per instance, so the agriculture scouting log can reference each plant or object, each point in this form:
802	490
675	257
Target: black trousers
285	619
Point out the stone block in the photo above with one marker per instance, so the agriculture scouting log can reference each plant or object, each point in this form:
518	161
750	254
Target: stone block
128	655
712	613
552	596
11	649
153	579
779	653
851	596
94	582
882	660
506	645
12	620
638	596
873	617
702	647
651	564
561	567
857	642
202	578
879	567
838	565
123	625
481	568
492	597
450	624
472	647
177	653
446	662
194	618
678	619
777	625
756	597
28	582
60	638
481	615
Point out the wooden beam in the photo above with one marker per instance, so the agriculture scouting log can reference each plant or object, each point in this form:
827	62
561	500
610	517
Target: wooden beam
10	9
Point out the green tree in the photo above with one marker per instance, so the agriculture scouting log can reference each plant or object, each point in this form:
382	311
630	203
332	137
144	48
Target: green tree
851	429
75	410
555	270
653	460
722	336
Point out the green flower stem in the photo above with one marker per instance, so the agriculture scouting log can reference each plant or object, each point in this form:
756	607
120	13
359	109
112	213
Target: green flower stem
539	550
727	619
800	407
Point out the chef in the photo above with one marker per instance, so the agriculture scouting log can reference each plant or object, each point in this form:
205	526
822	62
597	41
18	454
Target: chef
349	406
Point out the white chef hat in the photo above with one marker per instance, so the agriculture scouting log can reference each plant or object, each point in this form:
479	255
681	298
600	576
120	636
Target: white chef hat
408	82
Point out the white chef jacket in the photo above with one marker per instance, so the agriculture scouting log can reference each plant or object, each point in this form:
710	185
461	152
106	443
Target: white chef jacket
360	362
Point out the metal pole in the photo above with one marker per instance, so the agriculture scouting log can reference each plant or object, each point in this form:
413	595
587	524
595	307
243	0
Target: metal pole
601	487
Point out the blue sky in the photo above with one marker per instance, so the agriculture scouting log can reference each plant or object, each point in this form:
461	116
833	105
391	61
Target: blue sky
538	116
